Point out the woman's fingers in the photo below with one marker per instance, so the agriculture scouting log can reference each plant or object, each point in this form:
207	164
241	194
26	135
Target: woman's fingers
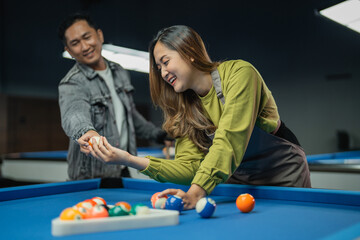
172	191
85	149
102	147
188	199
100	151
106	143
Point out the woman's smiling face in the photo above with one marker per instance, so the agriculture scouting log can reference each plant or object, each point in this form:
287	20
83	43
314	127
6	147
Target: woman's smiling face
173	68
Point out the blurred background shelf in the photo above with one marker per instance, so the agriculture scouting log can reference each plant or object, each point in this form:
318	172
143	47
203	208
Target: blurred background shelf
339	170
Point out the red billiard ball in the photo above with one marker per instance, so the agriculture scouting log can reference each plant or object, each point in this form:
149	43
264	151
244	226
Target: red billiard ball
91	201
124	205
99	200
245	202
97	211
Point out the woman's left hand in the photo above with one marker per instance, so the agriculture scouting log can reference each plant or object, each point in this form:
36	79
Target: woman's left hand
190	198
109	154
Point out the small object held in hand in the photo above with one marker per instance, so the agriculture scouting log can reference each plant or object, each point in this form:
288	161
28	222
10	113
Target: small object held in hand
91	141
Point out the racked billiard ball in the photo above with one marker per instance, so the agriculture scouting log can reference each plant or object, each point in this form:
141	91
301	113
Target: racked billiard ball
97	211
91	201
139	209
118	211
70	214
125	205
99	200
83	211
84	204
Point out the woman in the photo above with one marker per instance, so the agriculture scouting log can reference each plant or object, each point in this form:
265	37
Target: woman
224	119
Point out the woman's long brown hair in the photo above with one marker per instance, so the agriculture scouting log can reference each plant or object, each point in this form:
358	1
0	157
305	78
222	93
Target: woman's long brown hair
183	112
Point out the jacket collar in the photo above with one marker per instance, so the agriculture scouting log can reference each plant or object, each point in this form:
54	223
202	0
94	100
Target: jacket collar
89	72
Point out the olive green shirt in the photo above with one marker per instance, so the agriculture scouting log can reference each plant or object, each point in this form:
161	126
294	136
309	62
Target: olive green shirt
248	102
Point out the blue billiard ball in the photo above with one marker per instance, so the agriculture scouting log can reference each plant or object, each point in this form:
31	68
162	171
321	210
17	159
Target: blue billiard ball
174	203
205	207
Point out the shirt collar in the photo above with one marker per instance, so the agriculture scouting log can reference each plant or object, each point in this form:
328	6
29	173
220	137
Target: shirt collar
89	72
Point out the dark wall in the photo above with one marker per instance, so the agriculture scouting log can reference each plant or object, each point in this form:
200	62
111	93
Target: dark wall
296	51
274	36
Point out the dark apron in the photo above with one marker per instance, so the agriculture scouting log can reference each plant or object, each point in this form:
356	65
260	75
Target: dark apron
269	159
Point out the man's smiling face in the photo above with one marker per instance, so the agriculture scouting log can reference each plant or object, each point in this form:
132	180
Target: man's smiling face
84	43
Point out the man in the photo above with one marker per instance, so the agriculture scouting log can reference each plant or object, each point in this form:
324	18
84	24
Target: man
95	98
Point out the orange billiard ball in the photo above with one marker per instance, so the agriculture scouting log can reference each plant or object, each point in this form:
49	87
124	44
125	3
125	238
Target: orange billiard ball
125	205
91	201
245	202
70	214
94	139
83	211
85	204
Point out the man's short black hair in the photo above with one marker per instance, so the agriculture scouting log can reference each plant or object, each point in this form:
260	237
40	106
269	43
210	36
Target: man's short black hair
70	20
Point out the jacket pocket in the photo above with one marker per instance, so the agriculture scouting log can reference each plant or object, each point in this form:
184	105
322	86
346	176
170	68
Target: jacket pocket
99	115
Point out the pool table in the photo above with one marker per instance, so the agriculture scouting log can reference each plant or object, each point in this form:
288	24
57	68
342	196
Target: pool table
279	213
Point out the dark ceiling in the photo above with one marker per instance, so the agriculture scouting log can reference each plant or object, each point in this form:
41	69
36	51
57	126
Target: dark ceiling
281	38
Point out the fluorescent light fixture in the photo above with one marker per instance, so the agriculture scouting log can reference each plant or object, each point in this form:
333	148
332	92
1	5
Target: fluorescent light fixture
346	13
128	58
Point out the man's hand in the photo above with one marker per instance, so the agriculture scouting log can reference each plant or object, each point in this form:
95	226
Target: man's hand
84	141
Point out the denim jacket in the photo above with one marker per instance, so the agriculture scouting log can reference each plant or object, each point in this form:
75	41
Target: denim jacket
86	104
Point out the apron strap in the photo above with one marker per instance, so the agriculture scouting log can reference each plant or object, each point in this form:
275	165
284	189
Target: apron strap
217	85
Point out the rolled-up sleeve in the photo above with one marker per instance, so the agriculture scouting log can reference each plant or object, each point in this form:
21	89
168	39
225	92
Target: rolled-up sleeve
182	169
75	109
